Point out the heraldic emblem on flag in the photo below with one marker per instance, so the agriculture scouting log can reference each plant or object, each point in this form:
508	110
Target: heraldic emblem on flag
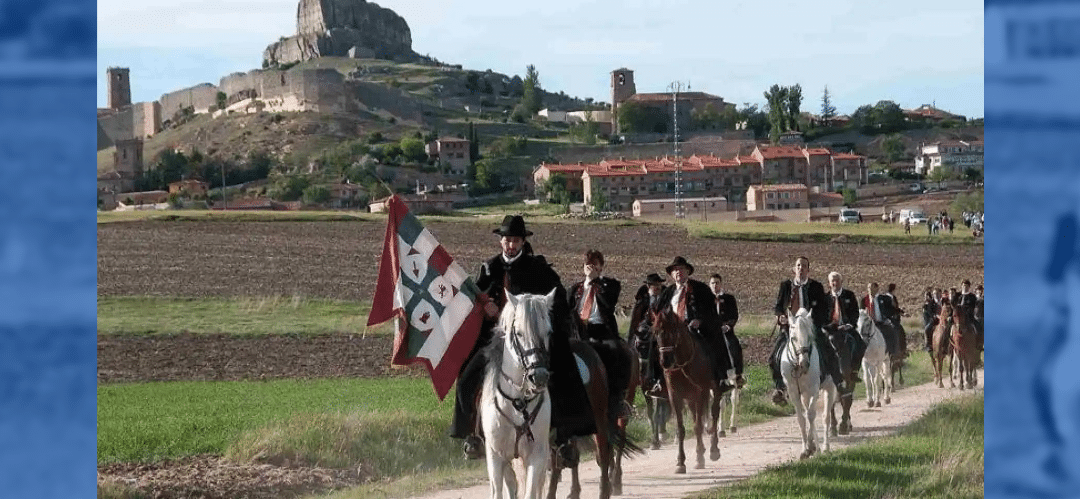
430	295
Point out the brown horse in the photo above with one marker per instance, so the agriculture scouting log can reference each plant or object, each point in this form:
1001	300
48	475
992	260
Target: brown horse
965	345
689	380
610	438
657	407
843	344
942	348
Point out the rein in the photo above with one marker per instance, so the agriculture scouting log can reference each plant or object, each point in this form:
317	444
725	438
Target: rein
680	367
521	403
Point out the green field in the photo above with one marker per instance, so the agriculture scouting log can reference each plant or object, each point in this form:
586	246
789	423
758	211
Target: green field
940	455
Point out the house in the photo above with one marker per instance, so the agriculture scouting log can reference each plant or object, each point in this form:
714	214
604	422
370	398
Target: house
777	197
452	153
571	172
344	194
190	187
665	207
951	156
927	112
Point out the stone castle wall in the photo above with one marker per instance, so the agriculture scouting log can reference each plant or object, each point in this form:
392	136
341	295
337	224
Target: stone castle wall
146	119
201	97
321	90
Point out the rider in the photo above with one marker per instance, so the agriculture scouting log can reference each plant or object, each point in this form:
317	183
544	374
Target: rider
977	312
593	301
901	334
728	310
646	299
516	271
802	292
879	308
843	318
694	303
931	308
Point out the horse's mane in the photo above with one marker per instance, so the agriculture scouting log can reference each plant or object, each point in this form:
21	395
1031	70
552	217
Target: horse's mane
528	306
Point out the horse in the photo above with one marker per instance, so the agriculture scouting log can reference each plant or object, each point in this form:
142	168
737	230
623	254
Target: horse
657	407
516	408
731	398
876	364
842	343
800	366
965	345
689	377
622	420
940	343
610	438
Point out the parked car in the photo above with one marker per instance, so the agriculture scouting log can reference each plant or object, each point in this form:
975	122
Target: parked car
914	216
848	215
916	188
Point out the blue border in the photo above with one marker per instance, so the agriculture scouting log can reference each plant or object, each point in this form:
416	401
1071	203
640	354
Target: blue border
48	248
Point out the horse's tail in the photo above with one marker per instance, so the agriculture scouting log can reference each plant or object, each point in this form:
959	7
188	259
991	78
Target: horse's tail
622	442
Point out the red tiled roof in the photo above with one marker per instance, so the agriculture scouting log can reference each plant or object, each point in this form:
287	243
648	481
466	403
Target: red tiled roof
662	97
817	151
561	168
773	152
844	155
452	139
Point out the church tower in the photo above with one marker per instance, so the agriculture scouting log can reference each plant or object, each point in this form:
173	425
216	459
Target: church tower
119	88
622	88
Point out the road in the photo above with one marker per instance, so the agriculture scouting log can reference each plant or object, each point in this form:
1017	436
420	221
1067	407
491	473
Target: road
743	454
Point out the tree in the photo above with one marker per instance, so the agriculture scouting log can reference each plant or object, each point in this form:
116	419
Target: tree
792	103
412	149
893	148
554	189
888	116
598	201
487	175
288	187
828	111
775	98
316	194
530	98
221	100
863	119
635	118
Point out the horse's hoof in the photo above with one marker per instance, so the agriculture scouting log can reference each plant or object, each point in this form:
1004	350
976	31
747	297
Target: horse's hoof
877	404
655	446
870	403
833	432
680	469
888	400
700	465
714	455
733	429
844	431
721	433
616	490
805	454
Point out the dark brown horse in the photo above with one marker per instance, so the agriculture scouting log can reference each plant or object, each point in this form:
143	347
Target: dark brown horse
843	344
942	348
689	380
965	346
610	437
657	407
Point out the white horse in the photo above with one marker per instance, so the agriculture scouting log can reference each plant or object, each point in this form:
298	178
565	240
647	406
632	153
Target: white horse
876	363
800	366
515	410
731	398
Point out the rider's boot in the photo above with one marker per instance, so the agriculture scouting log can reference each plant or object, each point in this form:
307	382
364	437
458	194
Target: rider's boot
474	447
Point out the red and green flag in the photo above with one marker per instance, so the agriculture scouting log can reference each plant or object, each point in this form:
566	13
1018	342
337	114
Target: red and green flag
431	297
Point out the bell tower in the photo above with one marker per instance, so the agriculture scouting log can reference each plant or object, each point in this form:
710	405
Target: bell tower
119	87
622	88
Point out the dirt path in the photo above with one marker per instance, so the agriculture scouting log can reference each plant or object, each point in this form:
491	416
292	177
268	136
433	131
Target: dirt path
744	453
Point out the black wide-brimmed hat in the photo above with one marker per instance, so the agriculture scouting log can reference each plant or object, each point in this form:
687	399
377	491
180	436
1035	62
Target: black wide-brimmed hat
654	278
513	226
680	261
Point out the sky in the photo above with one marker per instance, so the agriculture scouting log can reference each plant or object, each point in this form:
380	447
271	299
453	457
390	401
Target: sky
911	52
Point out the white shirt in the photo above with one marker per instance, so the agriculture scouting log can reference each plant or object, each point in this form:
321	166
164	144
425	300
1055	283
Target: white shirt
677	295
594	314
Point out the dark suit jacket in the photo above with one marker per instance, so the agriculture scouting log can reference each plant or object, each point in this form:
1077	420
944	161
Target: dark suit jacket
968	302
699	305
727	307
640	314
607	297
527	274
849	306
883	303
815	295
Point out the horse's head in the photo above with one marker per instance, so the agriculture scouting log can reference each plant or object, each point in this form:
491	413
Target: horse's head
526	324
801	337
865	324
665	328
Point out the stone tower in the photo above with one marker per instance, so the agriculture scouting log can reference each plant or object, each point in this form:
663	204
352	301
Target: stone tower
128	160
119	88
622	88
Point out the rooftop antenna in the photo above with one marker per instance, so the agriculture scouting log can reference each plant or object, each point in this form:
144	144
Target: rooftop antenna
676	87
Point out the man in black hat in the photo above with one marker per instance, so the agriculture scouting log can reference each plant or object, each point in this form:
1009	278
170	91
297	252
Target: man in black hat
517	271
802	292
646	298
694	302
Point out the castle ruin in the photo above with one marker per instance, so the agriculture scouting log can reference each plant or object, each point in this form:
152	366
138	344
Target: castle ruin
343	28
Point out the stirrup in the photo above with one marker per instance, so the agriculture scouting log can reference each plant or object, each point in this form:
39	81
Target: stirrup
779	397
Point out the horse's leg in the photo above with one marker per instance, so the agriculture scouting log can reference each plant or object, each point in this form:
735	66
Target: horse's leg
722	401
735	396
886	383
510	480
495	467
556	473
575	485
665	415
698	408
680	431
652	409
716	411
800	416
603	460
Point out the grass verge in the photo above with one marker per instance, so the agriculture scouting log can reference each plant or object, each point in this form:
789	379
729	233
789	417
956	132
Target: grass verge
940	455
240	316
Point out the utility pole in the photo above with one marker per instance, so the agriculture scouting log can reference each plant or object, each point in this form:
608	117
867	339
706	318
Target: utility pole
676	87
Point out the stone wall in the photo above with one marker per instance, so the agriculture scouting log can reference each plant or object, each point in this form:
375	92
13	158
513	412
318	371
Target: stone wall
146	118
320	90
593	154
201	97
118	125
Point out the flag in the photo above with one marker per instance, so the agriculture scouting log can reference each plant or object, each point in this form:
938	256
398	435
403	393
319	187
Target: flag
431	297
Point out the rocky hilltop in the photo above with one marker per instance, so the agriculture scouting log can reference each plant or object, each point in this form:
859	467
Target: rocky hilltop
343	28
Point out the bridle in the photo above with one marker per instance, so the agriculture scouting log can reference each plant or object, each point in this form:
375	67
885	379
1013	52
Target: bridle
798	353
541	359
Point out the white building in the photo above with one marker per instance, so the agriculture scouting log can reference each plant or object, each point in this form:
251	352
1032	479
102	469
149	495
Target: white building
954	156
